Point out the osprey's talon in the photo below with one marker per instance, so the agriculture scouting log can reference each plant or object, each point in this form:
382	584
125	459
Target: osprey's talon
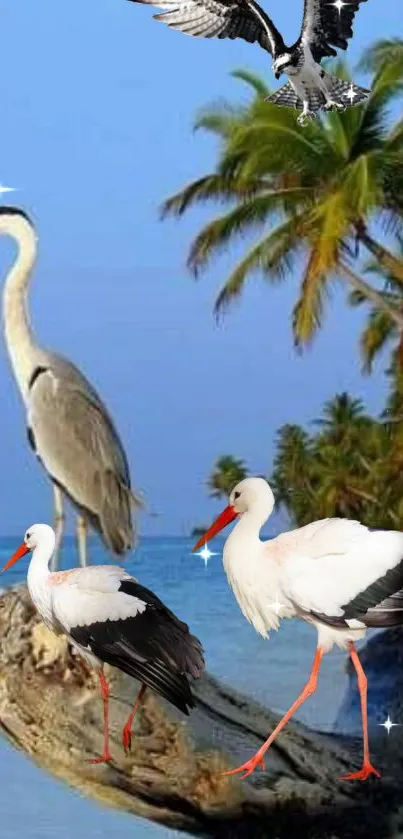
304	118
330	105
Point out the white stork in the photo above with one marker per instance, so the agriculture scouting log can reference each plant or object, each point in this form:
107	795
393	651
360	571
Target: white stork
68	425
109	617
335	574
325	26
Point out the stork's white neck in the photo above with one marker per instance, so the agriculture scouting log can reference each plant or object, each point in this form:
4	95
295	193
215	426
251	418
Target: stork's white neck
252	574
38	579
23	351
244	543
250	523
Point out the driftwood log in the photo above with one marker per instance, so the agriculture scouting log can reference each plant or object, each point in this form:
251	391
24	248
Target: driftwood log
50	708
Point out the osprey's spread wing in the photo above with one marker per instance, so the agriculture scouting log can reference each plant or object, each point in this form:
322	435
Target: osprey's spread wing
220	19
327	25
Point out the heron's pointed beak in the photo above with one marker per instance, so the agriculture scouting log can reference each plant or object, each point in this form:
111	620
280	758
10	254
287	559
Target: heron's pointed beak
228	515
21	551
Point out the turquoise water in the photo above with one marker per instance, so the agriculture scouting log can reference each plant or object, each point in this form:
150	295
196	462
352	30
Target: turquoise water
34	805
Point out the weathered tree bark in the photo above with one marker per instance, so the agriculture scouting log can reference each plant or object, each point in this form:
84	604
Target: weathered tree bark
50	707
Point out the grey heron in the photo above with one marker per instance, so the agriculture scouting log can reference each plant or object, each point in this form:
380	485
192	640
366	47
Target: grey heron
69	427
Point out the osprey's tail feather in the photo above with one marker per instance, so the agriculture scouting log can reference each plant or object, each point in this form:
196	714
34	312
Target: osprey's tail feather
285	96
341	92
345	93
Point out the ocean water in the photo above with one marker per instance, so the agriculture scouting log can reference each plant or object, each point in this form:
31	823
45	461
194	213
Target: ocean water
273	672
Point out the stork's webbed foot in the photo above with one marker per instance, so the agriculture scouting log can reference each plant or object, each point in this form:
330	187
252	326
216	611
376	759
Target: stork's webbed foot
247	768
362	775
105	758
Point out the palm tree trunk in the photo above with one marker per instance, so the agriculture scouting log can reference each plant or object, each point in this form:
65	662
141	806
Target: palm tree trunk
372	294
385	258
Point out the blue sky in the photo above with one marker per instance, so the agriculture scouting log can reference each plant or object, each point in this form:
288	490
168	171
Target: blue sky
98	102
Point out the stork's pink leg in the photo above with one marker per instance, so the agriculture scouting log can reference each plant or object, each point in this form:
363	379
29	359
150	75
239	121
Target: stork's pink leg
127	731
367	768
106	756
309	689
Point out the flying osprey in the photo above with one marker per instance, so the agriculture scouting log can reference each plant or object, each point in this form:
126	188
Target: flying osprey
325	25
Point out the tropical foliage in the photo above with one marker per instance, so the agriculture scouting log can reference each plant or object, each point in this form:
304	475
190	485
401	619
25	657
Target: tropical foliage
318	198
347	464
326	204
227	472
350	464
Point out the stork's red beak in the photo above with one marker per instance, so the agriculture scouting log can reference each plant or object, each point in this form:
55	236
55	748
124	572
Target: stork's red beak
21	551
228	515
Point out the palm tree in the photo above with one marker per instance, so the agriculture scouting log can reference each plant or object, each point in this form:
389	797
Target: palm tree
291	478
338	470
313	193
227	472
342	419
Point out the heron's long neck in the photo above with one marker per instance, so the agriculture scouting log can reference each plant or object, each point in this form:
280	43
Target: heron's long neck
19	337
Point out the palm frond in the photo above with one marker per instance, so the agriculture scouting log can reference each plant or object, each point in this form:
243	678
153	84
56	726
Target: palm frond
325	228
259	146
387	51
209	188
220	118
253	80
356	298
308	310
246	216
274	255
379	330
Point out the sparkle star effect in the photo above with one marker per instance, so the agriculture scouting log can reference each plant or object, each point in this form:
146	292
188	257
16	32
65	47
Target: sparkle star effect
276	605
206	554
339	5
351	94
388	724
6	188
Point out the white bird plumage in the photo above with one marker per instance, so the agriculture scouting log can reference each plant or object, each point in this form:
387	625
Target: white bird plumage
336	574
110	618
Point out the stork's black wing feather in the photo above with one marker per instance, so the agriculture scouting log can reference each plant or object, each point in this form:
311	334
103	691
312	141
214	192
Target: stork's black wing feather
326	25
380	604
154	646
220	19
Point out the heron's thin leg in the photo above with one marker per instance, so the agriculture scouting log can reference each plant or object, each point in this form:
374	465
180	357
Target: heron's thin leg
309	689
58	525
367	768
127	731
106	756
82	540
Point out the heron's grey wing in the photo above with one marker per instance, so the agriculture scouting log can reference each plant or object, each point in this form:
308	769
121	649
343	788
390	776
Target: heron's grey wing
66	370
220	19
77	443
326	26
